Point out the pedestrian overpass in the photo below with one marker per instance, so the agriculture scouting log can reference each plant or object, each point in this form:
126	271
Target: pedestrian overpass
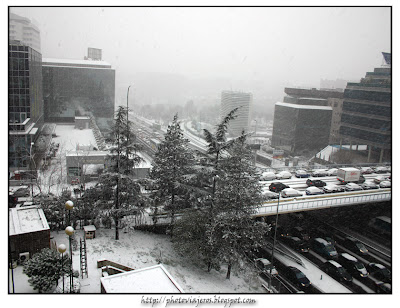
307	203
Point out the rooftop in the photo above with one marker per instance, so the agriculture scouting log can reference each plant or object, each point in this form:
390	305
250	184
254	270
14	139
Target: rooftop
26	220
303	106
75	63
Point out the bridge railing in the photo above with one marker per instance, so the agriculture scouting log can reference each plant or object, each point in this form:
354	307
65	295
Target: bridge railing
301	205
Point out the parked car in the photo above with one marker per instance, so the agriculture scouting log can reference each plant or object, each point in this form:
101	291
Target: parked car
290	192
369	185
297	277
314	191
338	272
23	191
332	188
319	172
300	233
366	170
270	194
316	183
332	171
355	246
277	186
352	265
301	174
380	272
385	184
324	248
352	187
296	243
266	267
268	176
284	175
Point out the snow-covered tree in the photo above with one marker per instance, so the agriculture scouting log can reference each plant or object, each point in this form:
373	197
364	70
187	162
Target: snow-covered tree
45	268
172	171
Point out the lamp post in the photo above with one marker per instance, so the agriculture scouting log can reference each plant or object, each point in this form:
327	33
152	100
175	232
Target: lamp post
273	245
61	249
69	205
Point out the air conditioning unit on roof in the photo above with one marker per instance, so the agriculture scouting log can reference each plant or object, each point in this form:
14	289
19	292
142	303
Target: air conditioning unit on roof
23	256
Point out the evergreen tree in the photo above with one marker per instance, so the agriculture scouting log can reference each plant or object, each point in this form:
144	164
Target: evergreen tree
45	268
172	171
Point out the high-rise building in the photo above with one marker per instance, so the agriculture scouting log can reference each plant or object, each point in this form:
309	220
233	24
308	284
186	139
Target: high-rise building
367	112
25	103
77	88
231	100
23	30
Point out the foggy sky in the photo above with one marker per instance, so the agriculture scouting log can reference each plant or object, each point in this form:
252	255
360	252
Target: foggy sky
275	46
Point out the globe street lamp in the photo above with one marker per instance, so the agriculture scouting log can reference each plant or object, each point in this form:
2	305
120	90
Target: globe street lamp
69	205
61	249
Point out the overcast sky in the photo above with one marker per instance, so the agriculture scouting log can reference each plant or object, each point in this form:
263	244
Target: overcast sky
291	46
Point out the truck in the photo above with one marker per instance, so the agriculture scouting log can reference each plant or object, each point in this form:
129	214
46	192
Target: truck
346	175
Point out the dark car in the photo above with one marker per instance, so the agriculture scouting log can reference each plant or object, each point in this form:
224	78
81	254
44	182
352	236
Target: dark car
355	246
324	248
338	272
282	231
385	288
352	265
380	272
316	183
300	233
22	192
297	277
296	243
277	186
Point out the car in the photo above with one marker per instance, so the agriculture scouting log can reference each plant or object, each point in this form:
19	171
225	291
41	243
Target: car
277	186
283	175
300	233
301	174
268	176
352	187
316	183
366	170
355	246
380	272
380	178
290	192
332	172
319	172
282	231
270	194
332	188
296	243
266	267
324	248
338	272
381	169
297	277
314	191
22	192
352	265
382	287
385	184
369	185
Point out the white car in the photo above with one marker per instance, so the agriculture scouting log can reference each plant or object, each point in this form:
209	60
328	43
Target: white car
381	170
284	175
266	266
385	184
301	174
366	170
270	194
312	190
268	176
332	171
290	192
319	172
352	187
369	185
379	178
332	188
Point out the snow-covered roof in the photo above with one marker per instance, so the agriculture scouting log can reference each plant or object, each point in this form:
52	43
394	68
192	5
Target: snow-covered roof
349	257
334	263
153	279
89	228
26	220
303	106
75	62
321	240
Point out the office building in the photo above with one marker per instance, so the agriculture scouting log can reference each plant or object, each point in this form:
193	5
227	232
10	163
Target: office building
79	88
367	113
25	103
23	30
231	100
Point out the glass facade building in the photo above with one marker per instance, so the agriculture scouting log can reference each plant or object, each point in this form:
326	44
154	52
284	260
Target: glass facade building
25	102
78	88
231	100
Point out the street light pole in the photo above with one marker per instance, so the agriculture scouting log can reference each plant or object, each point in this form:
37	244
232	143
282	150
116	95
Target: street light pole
273	245
69	205
61	249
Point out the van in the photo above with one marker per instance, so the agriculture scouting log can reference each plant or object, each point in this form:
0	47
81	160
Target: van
336	271
324	248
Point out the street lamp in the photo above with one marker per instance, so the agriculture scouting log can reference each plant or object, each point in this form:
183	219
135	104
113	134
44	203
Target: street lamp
69	205
61	249
273	245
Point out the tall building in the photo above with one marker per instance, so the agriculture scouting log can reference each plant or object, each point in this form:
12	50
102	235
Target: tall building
231	100
366	118
25	103
23	30
77	88
303	121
